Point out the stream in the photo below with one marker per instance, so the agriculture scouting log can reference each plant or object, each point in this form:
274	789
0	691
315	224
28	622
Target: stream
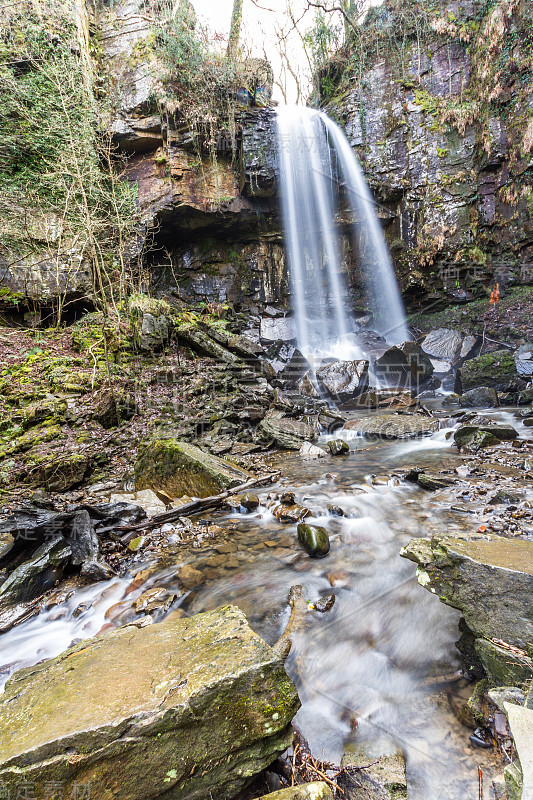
376	672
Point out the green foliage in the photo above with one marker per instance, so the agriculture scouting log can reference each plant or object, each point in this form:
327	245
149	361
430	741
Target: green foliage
60	197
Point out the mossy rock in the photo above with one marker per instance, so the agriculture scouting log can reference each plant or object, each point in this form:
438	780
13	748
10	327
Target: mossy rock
496	370
62	472
206	703
179	468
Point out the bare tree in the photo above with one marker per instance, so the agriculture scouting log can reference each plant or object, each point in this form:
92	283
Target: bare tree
235	30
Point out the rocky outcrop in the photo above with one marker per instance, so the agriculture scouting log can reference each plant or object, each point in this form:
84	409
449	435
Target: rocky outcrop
436	102
489	579
206	703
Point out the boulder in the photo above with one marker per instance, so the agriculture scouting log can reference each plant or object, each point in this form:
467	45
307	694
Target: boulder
393	398
392	368
203	701
314	540
201	342
489	579
37	574
444	344
338	447
307	388
478	436
287	432
496	370
154	333
280	329
179	468
308	450
521	725
393	426
343	380
250	501
63	471
418	361
305	791
287	363
524	360
482	397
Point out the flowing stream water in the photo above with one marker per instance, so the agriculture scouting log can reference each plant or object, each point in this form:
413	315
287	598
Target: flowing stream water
374	671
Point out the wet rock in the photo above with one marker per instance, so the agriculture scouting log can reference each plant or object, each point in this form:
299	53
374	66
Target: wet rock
38	574
250	501
444	344
392	426
504	665
343	380
325	603
289	512
418	361
393	398
330	420
305	791
392	368
190	576
308	450
314	540
433	482
479	436
335	511
207	725
179	468
496	370
287	432
482	397
287	364
338	447
490	580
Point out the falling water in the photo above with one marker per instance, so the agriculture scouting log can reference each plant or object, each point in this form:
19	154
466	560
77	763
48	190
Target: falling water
313	150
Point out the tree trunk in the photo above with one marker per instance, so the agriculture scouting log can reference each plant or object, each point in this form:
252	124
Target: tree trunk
235	30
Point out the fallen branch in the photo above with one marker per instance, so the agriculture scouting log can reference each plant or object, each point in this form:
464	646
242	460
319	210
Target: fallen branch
195	507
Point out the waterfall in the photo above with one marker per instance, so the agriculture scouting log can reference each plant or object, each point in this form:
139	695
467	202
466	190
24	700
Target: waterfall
314	154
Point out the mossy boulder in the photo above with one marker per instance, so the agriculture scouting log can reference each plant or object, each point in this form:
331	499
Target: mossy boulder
496	370
190	708
314	540
179	468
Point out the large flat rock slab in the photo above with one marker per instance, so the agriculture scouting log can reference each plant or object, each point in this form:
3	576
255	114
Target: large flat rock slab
393	426
192	708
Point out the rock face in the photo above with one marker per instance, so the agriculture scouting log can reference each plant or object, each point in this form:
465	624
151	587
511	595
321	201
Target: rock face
179	468
490	580
206	703
436	131
392	426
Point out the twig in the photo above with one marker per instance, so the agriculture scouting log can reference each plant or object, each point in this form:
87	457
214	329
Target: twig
324	777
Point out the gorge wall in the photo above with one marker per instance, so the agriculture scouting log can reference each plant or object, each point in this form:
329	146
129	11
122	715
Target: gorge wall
435	98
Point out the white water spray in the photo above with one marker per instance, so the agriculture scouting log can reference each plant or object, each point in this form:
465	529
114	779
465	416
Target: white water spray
312	149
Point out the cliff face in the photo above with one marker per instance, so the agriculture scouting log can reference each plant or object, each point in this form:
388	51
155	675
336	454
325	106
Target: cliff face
437	101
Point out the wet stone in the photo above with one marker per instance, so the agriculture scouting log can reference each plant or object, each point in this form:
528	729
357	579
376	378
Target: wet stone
314	539
338	447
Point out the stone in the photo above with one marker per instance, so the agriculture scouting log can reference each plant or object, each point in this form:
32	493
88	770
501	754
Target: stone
314	539
470	435
488	578
338	447
393	398
521	724
250	501
444	344
393	426
308	450
154	332
504	666
305	791
343	380
63	471
287	432
40	572
307	388
524	360
418	361
482	397
179	468
392	368
206	701
289	512
374	776
280	329
190	576
433	482
496	370
200	341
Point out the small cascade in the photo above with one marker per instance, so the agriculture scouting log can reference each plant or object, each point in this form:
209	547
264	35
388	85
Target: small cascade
314	155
